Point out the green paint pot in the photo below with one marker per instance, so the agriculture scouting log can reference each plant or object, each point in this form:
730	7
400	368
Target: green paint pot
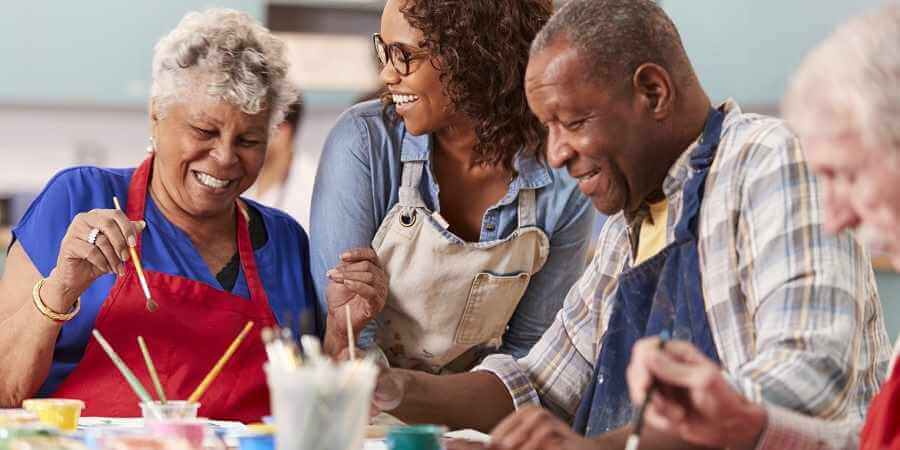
416	437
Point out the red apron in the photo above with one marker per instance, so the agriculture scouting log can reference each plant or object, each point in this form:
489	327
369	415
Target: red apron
882	430
189	332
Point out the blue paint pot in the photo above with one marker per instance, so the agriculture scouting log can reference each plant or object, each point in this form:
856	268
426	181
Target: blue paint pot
415	437
257	442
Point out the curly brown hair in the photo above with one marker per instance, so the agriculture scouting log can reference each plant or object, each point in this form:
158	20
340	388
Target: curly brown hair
481	47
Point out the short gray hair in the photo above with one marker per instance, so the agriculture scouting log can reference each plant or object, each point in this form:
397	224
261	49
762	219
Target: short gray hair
850	83
617	36
228	55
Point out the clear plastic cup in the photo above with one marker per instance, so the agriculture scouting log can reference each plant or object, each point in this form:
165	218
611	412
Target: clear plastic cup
58	412
177	409
321	406
191	431
126	438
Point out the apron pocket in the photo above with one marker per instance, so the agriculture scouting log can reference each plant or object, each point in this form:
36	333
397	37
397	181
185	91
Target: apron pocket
491	303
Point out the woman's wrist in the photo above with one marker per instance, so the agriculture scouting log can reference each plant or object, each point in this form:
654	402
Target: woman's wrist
335	336
56	295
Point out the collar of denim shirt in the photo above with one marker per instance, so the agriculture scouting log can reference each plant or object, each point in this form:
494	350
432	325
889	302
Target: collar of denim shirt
531	172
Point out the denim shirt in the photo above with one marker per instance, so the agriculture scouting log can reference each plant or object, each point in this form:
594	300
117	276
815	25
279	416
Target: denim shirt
357	184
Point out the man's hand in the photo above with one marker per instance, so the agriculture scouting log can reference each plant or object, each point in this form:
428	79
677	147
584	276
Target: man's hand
534	428
693	401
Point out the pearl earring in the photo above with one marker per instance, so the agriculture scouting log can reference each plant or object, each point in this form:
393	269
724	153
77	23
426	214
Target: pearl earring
152	147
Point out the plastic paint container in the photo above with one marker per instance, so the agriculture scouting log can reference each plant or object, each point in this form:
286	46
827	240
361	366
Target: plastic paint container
17	417
57	412
143	442
257	442
191	430
177	409
126	438
416	437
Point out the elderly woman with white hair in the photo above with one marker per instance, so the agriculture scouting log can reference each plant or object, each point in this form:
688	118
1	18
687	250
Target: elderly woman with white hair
213	261
844	104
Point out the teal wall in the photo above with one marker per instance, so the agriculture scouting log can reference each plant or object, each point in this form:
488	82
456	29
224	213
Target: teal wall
889	289
95	52
746	49
98	51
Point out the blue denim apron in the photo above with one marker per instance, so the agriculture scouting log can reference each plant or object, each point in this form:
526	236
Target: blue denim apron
663	292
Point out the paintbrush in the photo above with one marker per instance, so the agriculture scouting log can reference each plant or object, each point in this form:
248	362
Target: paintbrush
635	438
152	369
204	385
132	380
268	337
350	340
151	305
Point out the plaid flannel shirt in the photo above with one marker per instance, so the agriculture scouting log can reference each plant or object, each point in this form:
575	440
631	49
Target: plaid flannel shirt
794	311
787	429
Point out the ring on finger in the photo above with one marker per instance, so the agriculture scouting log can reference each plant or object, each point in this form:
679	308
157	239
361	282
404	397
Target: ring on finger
92	236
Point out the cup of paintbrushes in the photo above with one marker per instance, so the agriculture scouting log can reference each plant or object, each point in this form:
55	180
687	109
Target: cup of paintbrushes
323	406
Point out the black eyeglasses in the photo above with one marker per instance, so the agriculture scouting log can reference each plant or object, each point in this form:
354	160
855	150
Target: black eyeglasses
397	54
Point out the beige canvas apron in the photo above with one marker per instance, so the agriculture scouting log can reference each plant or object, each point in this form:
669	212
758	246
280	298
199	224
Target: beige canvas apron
450	300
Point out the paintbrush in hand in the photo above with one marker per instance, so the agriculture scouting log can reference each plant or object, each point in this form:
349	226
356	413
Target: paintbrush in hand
635	438
151	304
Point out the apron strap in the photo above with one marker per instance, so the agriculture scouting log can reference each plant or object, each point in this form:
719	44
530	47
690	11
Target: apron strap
409	185
136	207
701	161
248	259
527	208
136	203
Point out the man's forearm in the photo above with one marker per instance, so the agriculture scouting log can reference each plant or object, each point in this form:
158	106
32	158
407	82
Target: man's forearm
476	400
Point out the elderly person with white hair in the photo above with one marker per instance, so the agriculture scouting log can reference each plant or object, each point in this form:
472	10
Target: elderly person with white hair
213	261
844	104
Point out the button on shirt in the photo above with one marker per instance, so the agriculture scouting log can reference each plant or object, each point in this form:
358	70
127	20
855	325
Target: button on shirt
793	310
358	183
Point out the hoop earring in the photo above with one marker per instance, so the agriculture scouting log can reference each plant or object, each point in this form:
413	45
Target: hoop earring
152	147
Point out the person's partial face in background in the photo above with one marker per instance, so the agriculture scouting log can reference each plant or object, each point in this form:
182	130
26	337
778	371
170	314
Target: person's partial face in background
280	154
862	188
419	96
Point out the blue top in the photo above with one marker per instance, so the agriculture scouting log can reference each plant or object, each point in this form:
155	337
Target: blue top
358	182
282	262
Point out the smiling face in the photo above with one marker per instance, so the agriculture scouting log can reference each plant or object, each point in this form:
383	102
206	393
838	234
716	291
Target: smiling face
597	131
861	189
207	153
419	97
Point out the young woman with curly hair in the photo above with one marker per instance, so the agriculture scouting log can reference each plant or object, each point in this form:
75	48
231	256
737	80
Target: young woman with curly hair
480	239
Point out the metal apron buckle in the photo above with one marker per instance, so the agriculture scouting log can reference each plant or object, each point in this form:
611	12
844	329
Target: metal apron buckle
408	219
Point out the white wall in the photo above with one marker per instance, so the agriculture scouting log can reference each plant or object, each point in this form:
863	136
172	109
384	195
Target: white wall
37	142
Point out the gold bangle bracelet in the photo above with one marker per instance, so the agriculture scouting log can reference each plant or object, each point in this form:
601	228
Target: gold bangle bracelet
46	311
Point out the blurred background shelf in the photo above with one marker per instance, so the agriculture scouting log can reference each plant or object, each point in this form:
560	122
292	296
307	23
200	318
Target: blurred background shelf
366	6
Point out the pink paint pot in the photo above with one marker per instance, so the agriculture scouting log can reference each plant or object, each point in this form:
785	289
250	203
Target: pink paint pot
191	430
